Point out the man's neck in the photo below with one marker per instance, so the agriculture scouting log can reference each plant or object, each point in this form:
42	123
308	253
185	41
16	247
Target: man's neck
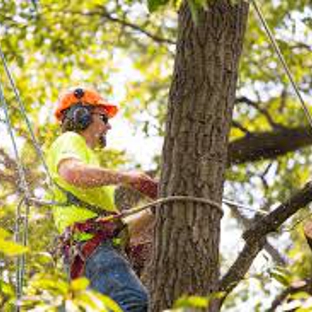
89	140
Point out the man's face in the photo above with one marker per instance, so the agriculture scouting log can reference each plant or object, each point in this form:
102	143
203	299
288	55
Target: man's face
99	127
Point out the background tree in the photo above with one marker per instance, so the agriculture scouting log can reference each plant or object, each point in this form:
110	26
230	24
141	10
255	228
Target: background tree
63	44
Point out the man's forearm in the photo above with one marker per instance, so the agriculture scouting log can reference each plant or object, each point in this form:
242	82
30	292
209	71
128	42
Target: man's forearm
88	176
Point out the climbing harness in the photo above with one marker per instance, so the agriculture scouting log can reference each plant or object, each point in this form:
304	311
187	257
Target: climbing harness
27	200
76	252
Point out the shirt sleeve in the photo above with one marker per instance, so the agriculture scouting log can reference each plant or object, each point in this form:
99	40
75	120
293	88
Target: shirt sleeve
69	145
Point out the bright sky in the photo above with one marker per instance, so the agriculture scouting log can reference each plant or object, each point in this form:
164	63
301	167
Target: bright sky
137	146
123	135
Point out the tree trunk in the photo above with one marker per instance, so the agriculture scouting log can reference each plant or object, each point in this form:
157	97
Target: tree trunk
186	239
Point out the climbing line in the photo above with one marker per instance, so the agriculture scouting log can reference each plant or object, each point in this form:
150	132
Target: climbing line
24	113
24	190
25	240
244	207
181	198
20	260
41	203
282	60
21	170
165	200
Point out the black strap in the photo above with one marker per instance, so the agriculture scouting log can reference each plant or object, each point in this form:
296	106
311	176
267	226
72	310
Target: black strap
74	200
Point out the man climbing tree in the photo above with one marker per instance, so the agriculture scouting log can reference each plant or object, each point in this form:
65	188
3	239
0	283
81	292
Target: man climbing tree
267	123
91	246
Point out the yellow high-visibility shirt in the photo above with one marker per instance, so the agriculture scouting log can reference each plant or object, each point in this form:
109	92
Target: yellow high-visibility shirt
73	145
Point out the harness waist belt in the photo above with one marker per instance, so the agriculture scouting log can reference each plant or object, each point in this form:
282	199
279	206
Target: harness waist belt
76	253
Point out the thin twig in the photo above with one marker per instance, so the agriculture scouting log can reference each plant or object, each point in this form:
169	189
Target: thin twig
124	23
299	286
270	249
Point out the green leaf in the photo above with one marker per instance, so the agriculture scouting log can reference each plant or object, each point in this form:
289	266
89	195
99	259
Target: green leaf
8	247
110	303
11	249
300	295
79	284
194	11
51	283
191	302
153	5
281	275
4	233
6	289
43	257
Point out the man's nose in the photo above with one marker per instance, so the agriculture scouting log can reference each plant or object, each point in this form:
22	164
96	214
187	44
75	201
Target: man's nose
108	126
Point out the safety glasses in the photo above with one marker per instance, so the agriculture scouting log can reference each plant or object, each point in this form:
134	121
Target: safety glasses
103	117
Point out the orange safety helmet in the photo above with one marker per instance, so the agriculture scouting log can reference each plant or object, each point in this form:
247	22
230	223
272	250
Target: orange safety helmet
87	97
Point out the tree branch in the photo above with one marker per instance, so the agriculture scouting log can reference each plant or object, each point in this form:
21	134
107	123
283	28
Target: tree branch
124	23
299	286
308	233
271	250
8	162
261	110
7	178
137	28
240	127
255	237
267	145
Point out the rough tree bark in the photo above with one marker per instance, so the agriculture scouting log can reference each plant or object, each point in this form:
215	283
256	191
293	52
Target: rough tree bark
186	239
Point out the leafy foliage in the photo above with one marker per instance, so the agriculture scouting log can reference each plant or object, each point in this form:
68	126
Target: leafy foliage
51	292
8	247
197	303
128	54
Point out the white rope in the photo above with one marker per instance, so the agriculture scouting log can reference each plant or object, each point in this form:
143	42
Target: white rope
176	198
24	114
19	260
165	200
38	202
242	206
24	190
282	60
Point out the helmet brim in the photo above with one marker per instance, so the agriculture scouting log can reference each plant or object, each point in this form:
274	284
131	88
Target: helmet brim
110	109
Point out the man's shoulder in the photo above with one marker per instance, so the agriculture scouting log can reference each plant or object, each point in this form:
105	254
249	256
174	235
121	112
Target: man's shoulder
67	145
69	136
67	139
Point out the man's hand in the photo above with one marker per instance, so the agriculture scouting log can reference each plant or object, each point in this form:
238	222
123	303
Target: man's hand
140	226
144	184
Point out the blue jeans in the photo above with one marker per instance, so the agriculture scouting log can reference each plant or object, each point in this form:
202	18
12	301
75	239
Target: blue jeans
111	274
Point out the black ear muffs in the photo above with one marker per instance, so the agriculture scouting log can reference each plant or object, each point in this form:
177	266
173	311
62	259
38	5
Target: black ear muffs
79	117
